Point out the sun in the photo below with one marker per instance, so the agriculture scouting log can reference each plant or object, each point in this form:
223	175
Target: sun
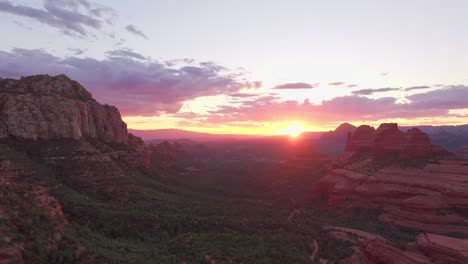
293	130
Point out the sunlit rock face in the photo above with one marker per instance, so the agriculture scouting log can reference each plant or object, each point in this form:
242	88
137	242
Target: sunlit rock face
46	107
55	109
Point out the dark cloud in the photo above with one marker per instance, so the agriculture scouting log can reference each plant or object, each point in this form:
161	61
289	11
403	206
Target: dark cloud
132	29
136	87
422	87
337	83
72	17
299	85
372	91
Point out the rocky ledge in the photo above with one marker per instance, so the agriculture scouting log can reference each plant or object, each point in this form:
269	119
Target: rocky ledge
428	248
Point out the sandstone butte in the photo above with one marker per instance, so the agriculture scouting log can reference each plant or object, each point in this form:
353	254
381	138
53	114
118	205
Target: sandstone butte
411	183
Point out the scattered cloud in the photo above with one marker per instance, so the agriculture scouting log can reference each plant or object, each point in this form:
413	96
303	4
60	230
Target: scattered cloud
135	86
422	87
337	83
372	91
298	85
71	17
243	95
76	51
126	53
351	86
132	29
384	73
352	108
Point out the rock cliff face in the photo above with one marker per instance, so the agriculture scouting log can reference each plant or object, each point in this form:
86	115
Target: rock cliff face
45	108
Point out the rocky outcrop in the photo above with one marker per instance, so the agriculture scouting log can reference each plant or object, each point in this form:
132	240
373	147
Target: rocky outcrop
427	196
423	199
388	141
374	249
361	140
46	107
333	142
442	248
427	248
52	108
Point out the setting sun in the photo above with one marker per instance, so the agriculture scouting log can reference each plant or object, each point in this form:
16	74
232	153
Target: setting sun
293	130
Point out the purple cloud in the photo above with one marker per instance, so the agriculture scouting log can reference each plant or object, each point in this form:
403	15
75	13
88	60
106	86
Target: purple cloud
299	85
243	95
351	108
127	53
132	29
135	86
421	87
451	97
372	91
64	15
337	83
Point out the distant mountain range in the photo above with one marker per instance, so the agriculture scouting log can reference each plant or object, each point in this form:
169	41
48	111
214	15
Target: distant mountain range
172	134
332	142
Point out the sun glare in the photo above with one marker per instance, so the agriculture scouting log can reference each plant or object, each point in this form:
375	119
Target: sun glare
293	130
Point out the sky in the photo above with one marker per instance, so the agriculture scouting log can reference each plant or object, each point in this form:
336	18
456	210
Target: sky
253	67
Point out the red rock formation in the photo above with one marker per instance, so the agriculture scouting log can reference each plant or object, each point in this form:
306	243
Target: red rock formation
419	199
44	108
373	249
442	248
422	199
361	140
389	142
